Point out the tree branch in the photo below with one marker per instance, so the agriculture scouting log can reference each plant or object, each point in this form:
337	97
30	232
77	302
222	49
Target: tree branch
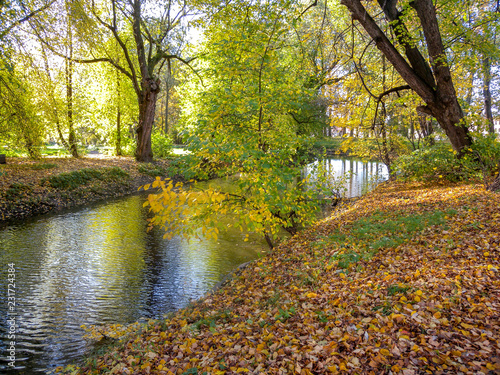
4	32
416	82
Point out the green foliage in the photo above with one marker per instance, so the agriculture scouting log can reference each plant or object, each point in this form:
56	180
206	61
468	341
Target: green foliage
486	154
285	314
17	190
20	123
74	179
439	162
345	260
161	144
151	169
397	289
328	143
369	148
251	117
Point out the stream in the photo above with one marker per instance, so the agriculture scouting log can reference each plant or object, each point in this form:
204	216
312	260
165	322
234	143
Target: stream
98	264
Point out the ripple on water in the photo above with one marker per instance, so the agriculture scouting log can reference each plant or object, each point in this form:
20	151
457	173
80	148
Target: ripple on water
99	265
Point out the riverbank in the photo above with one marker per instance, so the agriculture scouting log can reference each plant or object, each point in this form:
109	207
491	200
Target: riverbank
406	281
34	187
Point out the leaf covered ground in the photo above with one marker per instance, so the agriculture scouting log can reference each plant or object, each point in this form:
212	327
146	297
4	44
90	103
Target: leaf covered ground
26	189
405	281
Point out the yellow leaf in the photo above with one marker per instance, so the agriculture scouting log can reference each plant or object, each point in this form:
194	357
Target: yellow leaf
396	368
437	315
385	352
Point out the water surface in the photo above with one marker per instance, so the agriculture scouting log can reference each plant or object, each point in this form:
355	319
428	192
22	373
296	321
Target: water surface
98	265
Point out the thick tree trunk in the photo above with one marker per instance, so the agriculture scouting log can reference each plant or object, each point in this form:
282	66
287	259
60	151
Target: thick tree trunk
147	107
451	119
434	86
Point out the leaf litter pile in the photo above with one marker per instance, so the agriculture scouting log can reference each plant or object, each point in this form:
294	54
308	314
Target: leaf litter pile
405	281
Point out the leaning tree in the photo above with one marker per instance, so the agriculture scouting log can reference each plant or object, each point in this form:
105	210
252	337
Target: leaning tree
425	69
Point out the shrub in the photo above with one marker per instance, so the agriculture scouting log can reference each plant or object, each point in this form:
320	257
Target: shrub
16	189
151	169
437	162
71	180
486	153
161	144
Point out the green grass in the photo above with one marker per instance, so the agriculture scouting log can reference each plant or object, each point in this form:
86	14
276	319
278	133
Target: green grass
74	179
378	231
397	289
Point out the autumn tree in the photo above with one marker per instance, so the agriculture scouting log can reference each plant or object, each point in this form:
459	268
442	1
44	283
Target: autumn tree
156	30
251	115
430	77
20	124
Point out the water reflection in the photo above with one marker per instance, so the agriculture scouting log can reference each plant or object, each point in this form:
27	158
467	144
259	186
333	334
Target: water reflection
100	265
364	175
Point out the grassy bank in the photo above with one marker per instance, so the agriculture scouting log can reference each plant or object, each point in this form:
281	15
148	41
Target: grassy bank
32	187
406	281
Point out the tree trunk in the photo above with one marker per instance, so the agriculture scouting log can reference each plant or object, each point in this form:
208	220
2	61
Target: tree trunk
450	117
69	106
426	129
269	241
434	86
52	97
118	146
487	94
69	87
167	101
147	107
